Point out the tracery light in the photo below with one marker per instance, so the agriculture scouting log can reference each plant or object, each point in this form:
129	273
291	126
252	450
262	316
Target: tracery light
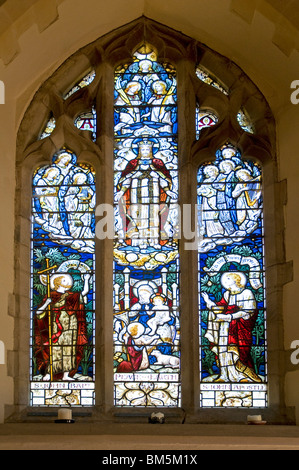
87	122
204	118
50	126
207	77
84	82
245	121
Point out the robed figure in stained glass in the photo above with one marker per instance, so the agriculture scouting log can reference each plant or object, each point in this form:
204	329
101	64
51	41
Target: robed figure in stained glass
59	345
144	193
230	325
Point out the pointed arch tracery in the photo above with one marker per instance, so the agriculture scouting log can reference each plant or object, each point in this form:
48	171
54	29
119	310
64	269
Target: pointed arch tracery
154	137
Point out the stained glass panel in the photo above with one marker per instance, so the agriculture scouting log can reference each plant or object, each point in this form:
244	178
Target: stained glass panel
87	122
85	81
146	251
62	283
204	118
231	283
207	77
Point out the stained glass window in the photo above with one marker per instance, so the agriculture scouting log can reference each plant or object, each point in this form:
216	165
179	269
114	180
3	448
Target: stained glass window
62	283
207	77
146	261
87	122
204	118
84	82
231	282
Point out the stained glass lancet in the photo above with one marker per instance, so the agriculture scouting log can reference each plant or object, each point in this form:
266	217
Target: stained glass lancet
204	118
62	286
231	283
146	261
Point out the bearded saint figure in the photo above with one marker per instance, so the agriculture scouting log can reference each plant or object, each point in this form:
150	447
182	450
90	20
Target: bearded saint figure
59	356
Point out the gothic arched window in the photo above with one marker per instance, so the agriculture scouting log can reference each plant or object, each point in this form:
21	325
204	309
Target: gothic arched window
178	148
63	296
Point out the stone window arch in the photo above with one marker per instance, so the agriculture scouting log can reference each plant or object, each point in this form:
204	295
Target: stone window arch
73	109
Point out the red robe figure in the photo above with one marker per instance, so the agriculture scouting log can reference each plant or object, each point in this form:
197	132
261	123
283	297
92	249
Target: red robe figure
68	330
144	193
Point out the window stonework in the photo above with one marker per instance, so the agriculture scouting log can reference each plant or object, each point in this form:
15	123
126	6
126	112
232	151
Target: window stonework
207	119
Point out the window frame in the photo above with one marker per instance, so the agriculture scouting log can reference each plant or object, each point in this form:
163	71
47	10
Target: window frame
185	53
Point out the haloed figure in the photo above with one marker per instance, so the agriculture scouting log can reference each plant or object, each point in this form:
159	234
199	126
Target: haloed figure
230	326
68	329
145	189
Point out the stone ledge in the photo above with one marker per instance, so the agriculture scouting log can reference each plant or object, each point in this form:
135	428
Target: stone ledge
105	436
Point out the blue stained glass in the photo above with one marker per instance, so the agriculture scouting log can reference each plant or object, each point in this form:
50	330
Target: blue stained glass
146	262
233	341
62	285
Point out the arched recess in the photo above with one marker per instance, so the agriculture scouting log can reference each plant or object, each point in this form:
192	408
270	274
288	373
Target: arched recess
96	147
